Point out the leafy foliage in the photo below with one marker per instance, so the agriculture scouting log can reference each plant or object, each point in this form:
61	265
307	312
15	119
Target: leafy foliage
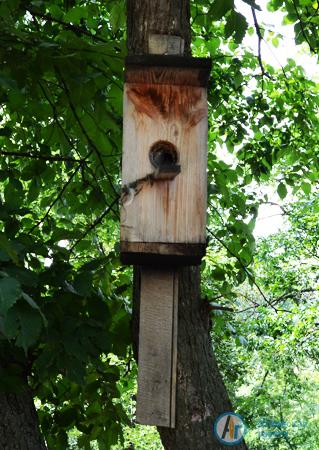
65	299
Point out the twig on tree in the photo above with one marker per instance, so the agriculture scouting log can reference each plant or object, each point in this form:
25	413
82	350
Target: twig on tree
58	197
260	38
95	223
55	115
107	76
68	26
220	308
302	26
68	139
244	268
292	295
275	204
34	155
89	140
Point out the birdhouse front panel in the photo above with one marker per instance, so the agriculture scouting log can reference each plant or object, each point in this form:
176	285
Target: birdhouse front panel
163	205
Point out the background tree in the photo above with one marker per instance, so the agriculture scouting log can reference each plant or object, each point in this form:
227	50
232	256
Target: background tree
201	394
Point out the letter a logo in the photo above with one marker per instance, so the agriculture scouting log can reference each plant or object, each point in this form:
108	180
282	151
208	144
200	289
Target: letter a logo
229	428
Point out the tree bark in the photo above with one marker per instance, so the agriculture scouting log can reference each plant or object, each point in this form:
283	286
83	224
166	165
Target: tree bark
201	393
19	428
145	17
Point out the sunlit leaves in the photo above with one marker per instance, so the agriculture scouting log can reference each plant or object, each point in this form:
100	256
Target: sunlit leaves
304	15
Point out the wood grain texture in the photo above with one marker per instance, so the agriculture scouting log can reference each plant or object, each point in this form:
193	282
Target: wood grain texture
162	44
165	211
157	348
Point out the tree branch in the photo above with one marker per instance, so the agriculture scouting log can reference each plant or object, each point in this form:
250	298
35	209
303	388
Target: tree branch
292	295
59	195
35	155
220	308
252	279
303	30
260	38
68	26
85	133
95	223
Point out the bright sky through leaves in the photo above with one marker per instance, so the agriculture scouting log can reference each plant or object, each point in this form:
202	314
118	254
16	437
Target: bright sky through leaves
270	218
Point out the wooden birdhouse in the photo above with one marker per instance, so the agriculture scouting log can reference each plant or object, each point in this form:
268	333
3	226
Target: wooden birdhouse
163	207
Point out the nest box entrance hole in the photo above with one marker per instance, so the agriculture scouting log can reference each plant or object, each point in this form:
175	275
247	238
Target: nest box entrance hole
164	158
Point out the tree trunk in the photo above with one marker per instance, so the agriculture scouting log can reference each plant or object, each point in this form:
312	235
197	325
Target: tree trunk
201	393
19	428
145	17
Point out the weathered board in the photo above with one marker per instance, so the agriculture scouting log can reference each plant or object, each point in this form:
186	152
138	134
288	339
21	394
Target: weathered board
165	44
157	355
164	101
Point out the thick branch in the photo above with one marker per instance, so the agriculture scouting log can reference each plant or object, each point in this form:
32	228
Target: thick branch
94	224
68	26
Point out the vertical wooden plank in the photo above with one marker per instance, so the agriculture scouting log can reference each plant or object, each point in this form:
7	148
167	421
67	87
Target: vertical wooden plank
174	351
157	348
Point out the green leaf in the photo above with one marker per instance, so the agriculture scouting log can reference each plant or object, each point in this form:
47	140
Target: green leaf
13	193
236	23
218	274
282	190
5	131
117	15
7	247
306	187
83	283
220	8
66	417
10	291
30	324
76	14
33	305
